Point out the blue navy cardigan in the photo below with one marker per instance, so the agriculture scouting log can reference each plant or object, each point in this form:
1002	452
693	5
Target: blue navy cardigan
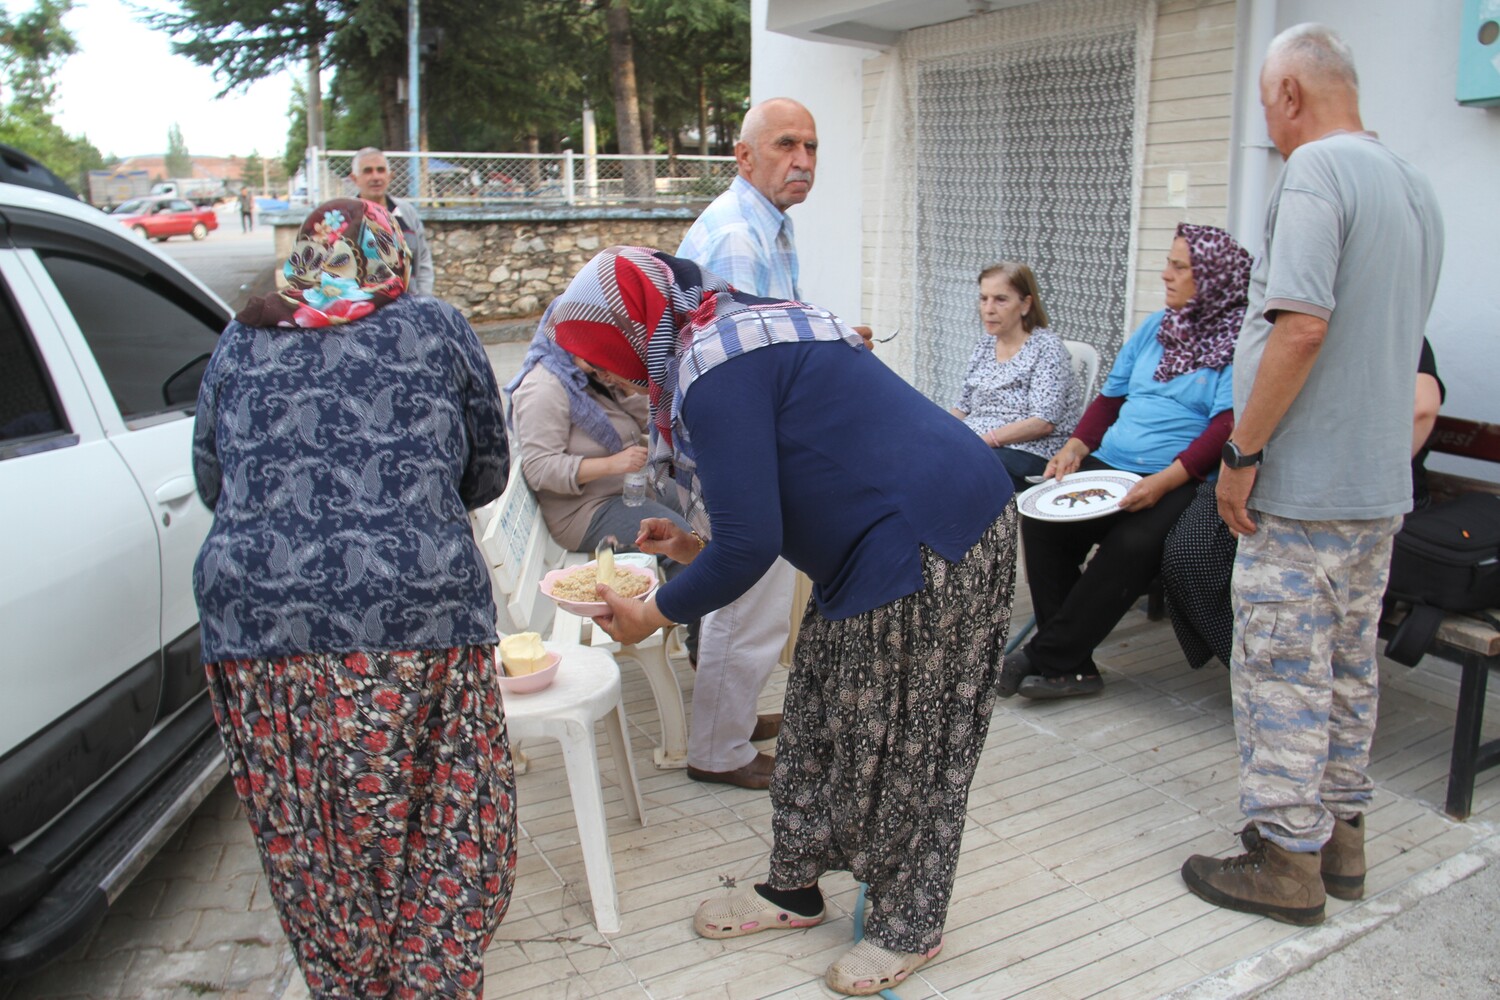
340	464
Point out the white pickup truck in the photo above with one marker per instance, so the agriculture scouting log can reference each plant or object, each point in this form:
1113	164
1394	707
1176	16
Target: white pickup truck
106	737
201	191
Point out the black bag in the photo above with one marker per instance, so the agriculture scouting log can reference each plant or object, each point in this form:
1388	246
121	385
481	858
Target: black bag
1444	558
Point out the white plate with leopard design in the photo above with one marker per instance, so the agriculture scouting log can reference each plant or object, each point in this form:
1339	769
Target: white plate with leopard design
1078	496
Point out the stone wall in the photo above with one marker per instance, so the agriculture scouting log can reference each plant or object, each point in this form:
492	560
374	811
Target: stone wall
505	270
498	266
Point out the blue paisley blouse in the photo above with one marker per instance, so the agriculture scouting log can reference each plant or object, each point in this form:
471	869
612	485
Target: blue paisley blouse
340	464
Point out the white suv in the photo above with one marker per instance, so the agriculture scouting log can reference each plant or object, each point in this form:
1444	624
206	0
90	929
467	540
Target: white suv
106	737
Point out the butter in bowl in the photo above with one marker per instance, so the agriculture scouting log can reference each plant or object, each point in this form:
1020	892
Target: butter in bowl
525	664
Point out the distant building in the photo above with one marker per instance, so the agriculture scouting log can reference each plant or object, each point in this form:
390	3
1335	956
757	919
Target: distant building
222	168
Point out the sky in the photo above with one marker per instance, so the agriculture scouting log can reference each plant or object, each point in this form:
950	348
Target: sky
124	89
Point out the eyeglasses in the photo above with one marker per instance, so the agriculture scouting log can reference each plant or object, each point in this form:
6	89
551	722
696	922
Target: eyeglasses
887	340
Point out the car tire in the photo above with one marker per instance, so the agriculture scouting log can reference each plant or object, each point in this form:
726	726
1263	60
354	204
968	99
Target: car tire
199	230
140	231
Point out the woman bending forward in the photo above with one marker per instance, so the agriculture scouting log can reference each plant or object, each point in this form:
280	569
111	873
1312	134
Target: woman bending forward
773	417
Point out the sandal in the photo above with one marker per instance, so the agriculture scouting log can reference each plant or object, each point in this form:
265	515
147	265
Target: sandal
745	911
867	968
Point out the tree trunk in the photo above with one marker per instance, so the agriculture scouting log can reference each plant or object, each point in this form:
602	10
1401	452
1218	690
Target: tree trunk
531	170
702	112
647	97
392	120
627	103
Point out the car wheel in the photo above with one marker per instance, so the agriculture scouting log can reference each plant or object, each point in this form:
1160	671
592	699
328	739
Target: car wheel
140	231
199	230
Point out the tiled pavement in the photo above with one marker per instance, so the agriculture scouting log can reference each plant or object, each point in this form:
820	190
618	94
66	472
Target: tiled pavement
1080	815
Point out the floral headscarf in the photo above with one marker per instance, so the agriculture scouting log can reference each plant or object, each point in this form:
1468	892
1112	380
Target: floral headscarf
1202	333
662	322
349	260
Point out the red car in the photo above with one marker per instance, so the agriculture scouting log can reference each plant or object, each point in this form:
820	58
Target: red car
160	218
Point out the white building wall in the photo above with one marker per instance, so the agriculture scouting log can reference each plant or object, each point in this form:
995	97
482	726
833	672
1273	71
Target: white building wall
828	80
1408	71
1407	58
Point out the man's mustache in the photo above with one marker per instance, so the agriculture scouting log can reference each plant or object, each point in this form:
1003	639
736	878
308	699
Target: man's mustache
799	175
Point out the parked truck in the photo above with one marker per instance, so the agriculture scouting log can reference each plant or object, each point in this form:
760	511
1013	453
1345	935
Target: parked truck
201	191
108	188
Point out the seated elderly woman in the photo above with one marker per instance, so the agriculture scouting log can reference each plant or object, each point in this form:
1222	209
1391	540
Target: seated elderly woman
579	435
903	520
1164	413
1019	394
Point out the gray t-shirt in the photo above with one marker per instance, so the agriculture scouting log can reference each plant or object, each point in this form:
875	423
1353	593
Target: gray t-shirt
1353	236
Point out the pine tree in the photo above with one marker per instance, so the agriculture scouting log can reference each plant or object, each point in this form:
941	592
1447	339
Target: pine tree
179	161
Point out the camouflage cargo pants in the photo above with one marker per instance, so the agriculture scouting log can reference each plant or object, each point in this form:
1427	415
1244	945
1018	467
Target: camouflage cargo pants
1304	674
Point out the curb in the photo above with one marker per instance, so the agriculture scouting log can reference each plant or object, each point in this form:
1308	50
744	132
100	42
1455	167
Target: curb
1259	972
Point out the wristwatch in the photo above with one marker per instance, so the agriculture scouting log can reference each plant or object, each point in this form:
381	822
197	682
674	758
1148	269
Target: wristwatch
1236	459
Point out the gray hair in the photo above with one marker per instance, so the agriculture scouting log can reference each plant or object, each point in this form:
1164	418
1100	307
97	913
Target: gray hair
361	154
1317	50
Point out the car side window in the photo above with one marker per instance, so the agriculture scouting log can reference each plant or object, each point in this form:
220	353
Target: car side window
28	407
181	206
151	349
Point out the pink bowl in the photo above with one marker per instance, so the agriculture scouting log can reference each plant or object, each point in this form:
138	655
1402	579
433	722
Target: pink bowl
527	683
591	609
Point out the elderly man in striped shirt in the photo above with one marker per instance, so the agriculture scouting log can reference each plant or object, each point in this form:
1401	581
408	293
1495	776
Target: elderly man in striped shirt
745	237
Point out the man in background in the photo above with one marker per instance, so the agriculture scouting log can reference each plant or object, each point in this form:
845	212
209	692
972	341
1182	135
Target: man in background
371	174
745	237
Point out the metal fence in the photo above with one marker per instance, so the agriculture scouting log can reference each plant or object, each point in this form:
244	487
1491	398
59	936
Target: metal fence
461	180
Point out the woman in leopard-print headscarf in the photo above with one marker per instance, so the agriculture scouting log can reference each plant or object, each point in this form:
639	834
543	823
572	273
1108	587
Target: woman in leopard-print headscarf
1164	414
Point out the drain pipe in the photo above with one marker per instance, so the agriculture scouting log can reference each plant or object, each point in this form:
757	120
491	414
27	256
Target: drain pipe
1255	159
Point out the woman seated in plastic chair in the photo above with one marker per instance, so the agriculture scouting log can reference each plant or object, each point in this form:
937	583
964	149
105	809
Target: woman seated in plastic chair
579	435
1019	392
1164	413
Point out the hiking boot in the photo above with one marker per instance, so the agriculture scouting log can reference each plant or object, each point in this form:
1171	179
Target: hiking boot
1268	880
1344	859
1343	865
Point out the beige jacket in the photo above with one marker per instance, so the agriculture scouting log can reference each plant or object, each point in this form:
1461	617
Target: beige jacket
552	449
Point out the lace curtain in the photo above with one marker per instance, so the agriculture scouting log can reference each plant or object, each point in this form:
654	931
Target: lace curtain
1015	135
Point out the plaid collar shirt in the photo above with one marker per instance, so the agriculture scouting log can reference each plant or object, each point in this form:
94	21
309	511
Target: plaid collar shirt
747	241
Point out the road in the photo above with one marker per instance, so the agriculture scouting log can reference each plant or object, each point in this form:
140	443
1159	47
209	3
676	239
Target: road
228	261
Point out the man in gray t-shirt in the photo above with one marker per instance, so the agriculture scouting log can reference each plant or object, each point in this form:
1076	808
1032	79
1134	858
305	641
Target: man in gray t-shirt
1320	452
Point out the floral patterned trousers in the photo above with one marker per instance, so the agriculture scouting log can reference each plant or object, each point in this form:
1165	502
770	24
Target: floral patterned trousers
886	714
381	794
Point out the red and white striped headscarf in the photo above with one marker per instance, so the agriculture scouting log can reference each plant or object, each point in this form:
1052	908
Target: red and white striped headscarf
661	322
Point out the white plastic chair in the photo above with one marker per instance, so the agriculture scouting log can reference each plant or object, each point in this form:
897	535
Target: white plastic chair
587	690
519	551
1085	366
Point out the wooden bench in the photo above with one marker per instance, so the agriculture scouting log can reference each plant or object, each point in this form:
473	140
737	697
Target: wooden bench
1469	642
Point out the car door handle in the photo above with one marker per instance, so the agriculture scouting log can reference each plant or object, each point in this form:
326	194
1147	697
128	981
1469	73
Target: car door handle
176	489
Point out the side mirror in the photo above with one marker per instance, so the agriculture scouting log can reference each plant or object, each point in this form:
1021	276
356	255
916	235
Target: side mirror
182	385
